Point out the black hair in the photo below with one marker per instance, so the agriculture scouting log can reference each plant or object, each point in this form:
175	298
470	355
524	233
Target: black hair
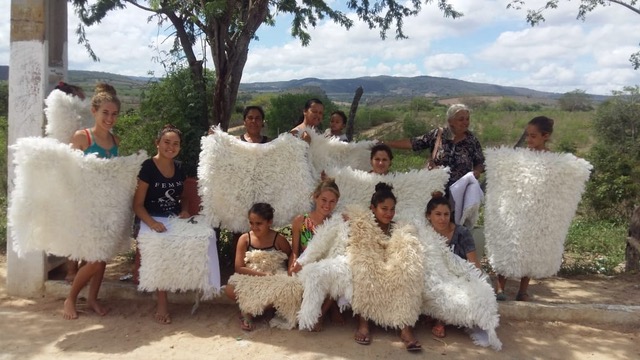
383	192
167	129
342	115
310	102
263	210
70	89
381	147
252	107
437	199
543	123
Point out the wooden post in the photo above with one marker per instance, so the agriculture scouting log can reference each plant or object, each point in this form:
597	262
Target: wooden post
37	62
632	251
352	112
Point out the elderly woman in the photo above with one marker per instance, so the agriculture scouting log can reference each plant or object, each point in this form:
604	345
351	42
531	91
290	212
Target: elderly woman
453	146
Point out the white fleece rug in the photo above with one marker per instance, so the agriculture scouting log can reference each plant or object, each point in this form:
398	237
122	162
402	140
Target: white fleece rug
329	152
531	199
233	175
65	115
70	204
412	189
178	259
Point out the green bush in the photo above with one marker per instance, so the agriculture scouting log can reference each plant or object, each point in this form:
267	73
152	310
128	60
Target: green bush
594	246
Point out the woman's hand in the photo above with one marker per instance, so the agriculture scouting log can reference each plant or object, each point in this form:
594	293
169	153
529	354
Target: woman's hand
295	267
157	226
184	214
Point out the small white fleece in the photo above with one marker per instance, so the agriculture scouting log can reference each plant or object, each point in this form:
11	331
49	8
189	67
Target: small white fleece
65	115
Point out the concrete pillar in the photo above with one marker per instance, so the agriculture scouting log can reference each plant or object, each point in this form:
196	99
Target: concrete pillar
34	25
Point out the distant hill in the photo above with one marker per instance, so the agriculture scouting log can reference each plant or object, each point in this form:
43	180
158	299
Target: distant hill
337	89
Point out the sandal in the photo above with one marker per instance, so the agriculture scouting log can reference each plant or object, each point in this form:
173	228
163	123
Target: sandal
522	297
438	330
246	323
163	319
411	346
501	296
362	339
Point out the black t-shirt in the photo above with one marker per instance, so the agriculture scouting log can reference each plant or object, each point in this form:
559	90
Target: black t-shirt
163	194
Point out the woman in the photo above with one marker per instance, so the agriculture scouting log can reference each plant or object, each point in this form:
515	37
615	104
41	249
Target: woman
159	195
457	237
383	206
253	123
381	157
453	146
312	117
105	108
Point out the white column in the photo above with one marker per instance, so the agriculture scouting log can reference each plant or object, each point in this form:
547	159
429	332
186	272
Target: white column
30	80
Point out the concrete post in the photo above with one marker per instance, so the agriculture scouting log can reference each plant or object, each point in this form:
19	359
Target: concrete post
34	24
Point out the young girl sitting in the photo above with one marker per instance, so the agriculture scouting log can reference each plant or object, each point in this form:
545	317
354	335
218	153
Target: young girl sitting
260	238
325	198
538	132
458	238
159	195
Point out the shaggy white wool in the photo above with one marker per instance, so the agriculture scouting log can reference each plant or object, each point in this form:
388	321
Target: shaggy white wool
531	198
70	204
456	292
255	293
233	175
412	189
177	259
65	115
387	273
329	152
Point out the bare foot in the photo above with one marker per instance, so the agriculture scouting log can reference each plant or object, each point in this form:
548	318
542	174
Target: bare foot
97	308
164	319
69	311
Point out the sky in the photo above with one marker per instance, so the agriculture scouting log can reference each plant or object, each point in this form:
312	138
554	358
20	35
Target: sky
489	44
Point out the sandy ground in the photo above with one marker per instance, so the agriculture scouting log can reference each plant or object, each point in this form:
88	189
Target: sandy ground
34	329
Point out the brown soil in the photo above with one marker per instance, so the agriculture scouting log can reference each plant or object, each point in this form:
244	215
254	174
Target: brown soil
34	329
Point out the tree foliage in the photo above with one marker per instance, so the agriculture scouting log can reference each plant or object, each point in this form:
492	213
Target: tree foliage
614	186
536	16
576	100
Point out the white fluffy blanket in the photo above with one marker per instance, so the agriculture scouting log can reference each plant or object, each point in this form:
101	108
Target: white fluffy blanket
69	204
455	290
65	115
387	272
233	175
531	199
255	293
177	259
412	189
329	152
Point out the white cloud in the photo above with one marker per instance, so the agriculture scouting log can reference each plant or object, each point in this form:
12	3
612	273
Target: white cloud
445	62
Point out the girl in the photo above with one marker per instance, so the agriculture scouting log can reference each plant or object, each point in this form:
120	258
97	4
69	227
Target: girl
312	116
458	238
260	237
337	123
325	198
538	132
383	206
159	195
105	107
381	157
253	123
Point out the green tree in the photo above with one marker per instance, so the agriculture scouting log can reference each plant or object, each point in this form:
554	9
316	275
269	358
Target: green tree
576	100
4	98
229	26
536	16
615	183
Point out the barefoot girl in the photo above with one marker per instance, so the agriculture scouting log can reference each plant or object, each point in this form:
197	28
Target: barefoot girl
105	107
159	195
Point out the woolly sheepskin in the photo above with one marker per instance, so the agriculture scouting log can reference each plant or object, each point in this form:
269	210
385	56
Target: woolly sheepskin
329	152
531	198
70	204
412	189
255	293
177	259
456	292
65	115
387	272
233	175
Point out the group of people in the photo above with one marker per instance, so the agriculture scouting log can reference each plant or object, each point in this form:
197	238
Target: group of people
161	182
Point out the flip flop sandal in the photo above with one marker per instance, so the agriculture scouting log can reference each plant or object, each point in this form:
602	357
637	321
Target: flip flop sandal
411	346
246	324
163	319
501	296
522	297
362	339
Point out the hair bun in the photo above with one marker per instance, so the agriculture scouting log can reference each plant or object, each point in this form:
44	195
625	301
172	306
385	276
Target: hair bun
437	194
105	88
382	186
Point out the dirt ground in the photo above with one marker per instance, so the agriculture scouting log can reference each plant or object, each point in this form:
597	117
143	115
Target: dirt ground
34	329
